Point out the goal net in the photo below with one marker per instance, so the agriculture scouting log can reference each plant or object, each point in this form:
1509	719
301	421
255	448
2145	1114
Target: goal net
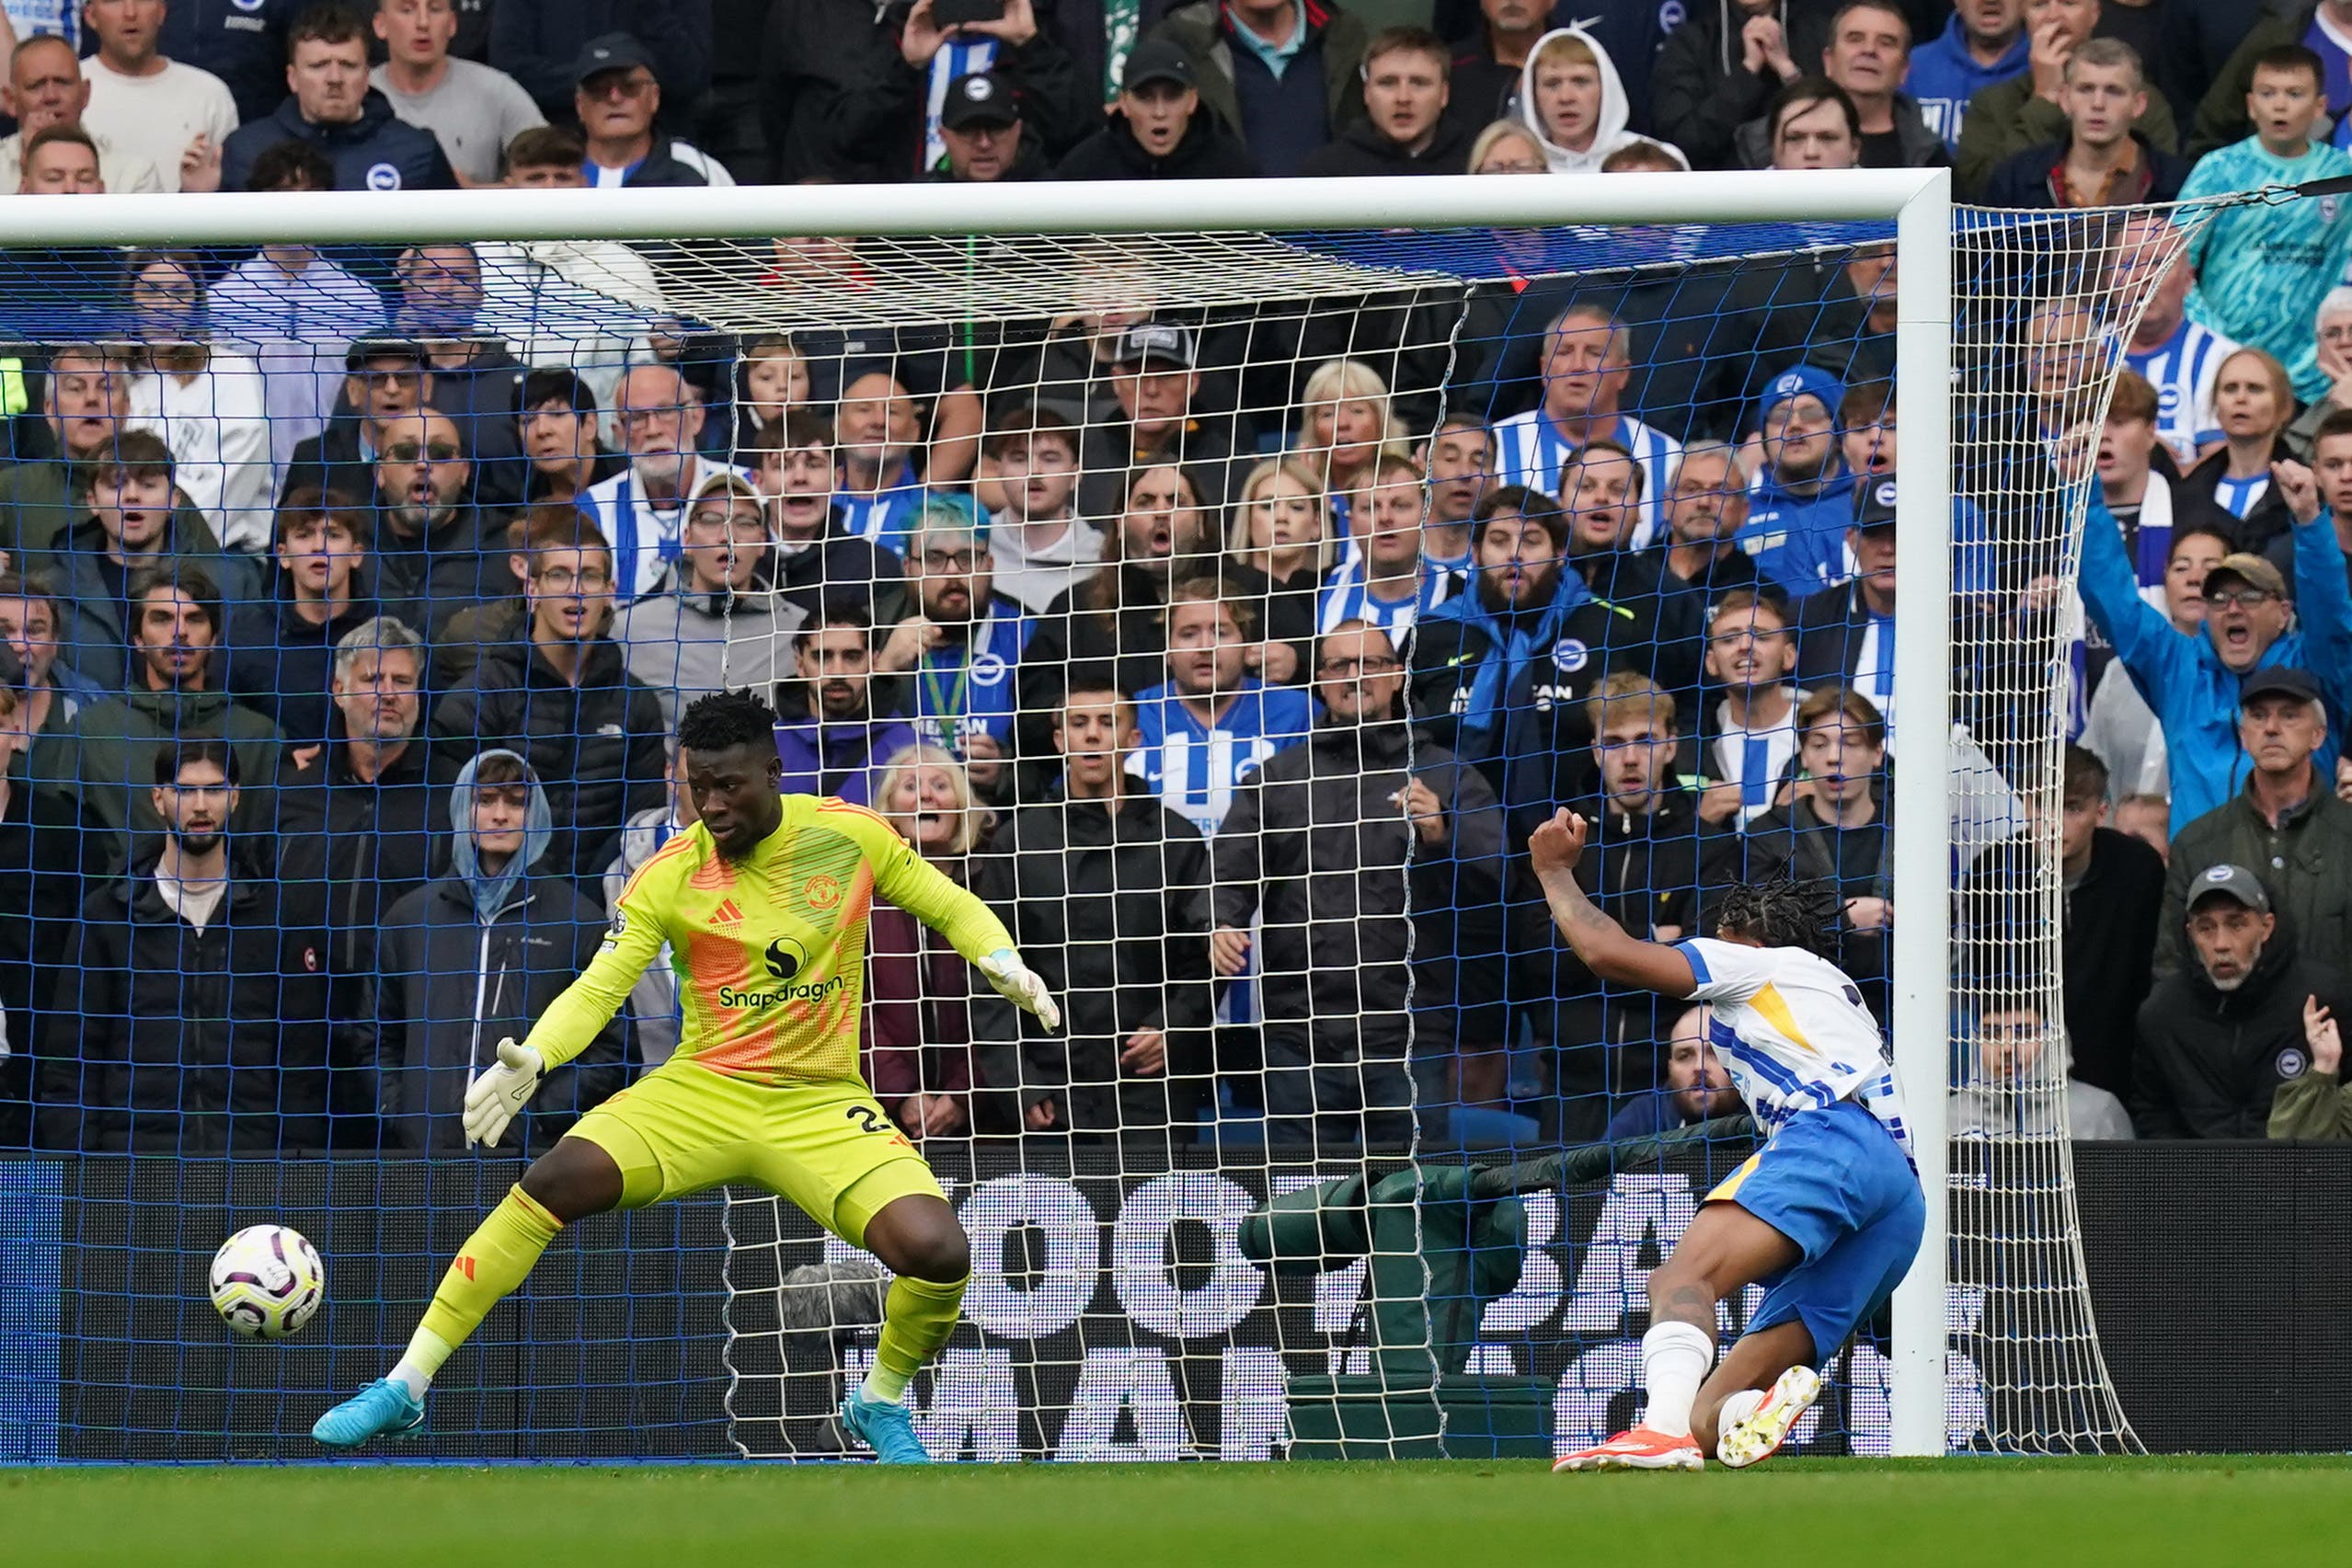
1222	601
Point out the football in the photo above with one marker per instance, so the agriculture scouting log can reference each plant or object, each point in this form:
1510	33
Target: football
268	1281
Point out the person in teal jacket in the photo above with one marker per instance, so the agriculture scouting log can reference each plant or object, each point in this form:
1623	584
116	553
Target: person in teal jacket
2262	271
2191	680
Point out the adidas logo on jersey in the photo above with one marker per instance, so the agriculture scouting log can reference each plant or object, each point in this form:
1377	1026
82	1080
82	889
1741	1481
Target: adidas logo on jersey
727	916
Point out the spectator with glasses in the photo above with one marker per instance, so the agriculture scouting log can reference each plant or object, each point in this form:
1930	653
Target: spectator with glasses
657	423
2193	681
617	100
954	658
563	699
384	378
431	541
713	624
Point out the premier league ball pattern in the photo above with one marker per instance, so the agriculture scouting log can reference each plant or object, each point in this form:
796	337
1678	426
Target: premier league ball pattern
267	1281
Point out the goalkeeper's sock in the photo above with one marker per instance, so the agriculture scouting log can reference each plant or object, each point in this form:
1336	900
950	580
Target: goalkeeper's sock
917	1317
1675	1359
490	1264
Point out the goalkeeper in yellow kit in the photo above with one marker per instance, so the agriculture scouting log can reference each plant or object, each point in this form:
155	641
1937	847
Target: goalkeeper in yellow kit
763	905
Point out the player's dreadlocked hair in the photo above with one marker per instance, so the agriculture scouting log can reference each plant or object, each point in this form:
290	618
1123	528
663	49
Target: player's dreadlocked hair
1784	913
722	719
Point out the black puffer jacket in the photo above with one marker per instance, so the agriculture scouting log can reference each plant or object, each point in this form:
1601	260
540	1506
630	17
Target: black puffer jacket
2210	1061
364	845
1361	920
596	747
1364	149
1106	906
193	1042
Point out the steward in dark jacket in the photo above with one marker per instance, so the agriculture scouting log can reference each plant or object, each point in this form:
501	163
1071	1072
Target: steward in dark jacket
595	747
379	151
474	957
2210	1061
1104	899
194	1042
1372	936
1207	152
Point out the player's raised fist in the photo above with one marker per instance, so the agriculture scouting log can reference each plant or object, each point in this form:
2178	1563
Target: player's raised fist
1558	844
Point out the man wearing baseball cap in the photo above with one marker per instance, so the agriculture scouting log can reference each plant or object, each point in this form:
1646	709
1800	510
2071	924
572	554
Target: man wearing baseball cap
1157	128
1799	511
1847	634
1155	377
980	124
618	98
2218	1038
2288	822
2193	679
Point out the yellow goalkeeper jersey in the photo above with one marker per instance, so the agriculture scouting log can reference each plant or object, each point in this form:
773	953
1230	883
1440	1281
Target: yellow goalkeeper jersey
769	950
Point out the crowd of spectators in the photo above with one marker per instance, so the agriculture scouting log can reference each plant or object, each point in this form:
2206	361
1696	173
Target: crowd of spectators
350	599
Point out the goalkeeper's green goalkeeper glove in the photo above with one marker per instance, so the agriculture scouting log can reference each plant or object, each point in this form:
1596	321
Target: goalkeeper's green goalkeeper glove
498	1093
1019	984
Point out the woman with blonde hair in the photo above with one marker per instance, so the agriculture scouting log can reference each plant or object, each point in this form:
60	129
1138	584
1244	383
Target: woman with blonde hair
1507	146
1348	427
1277	553
914	1032
2229	491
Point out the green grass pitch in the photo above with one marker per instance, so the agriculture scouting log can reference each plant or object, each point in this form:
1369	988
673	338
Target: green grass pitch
1822	1513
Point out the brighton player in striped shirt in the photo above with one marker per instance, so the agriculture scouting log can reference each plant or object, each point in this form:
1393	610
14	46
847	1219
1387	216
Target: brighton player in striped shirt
763	907
1827	1216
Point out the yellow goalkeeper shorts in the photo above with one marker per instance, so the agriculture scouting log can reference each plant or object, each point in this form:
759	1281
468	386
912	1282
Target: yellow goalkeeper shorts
825	1146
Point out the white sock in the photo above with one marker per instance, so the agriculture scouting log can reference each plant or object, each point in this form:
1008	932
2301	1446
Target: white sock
427	1351
1675	1359
1737	1409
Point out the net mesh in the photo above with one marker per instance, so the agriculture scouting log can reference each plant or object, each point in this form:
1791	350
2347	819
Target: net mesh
1146	586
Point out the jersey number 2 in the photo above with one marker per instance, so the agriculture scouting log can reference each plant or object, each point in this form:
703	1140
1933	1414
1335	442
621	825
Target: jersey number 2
868	1119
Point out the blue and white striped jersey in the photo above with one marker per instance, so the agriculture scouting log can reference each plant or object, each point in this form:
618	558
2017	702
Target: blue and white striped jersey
1792	1032
1755	760
1532	451
967	689
2183	369
644	533
1193	766
1348	597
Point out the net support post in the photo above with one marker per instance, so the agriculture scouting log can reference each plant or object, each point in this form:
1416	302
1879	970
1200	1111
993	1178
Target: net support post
1922	851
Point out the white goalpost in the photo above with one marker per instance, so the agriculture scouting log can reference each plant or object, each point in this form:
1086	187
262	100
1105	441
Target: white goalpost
1128	1284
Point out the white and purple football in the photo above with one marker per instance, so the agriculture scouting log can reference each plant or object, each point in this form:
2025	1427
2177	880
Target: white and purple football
267	1281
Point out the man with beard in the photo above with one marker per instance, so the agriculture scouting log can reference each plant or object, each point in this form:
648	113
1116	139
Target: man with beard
657	419
1499	673
1101	891
202	986
563	699
1587	362
432	543
832	741
279	648
1803	504
713	625
819	560
1692	1085
1212	722
174	688
953	661
1372	866
2218	1038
